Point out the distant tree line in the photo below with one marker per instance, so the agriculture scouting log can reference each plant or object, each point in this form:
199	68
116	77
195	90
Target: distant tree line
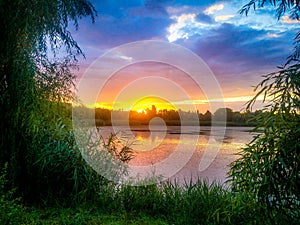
172	117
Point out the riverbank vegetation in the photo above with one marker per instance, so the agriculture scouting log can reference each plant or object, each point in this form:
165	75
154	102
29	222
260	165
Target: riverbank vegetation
44	178
103	117
164	203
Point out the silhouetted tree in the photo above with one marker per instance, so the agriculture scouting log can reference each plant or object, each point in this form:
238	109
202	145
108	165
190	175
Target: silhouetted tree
102	116
223	114
207	116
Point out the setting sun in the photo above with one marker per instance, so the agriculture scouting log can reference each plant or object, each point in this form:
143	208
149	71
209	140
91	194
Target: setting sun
147	103
141	111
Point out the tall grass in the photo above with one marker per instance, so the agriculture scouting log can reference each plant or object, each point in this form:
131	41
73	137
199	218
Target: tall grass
163	203
193	203
60	172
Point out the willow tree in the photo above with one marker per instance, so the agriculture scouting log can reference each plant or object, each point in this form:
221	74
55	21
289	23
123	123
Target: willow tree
269	167
37	55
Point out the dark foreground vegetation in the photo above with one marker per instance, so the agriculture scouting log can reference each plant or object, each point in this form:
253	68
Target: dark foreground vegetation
45	180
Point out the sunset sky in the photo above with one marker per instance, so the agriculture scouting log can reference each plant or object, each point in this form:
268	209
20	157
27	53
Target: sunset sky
238	49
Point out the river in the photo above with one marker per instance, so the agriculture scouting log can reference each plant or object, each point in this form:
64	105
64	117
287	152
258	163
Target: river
157	144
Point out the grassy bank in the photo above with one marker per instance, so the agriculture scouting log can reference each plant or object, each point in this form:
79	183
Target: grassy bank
164	203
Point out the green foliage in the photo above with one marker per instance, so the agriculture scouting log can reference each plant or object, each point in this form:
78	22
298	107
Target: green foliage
269	167
164	203
59	172
34	79
11	210
85	214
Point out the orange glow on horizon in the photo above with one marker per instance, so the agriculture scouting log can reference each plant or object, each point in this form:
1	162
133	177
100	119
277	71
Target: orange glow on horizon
142	105
126	90
146	103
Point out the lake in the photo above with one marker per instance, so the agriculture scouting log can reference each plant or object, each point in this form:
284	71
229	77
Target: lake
176	152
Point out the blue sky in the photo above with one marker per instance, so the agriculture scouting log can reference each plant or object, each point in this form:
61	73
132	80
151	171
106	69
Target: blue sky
238	49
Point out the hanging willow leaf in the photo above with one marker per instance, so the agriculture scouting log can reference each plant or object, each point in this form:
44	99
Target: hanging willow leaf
34	82
269	165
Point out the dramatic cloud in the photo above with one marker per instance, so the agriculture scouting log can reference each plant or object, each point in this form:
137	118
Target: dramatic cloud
185	26
238	48
188	25
213	8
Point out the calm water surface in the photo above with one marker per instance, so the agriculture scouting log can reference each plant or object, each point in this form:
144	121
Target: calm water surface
154	145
